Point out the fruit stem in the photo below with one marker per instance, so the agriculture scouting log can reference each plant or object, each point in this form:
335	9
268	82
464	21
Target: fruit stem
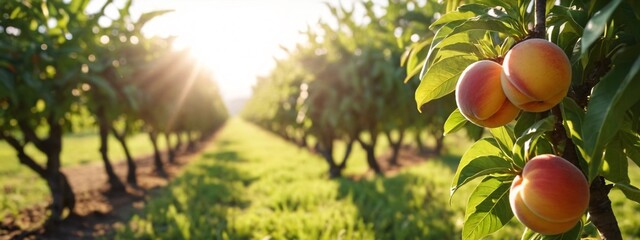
539	28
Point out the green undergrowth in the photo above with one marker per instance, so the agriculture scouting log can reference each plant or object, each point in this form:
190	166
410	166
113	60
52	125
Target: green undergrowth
252	185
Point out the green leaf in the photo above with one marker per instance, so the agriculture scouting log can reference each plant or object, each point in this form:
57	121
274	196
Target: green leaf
525	120
454	122
524	143
145	17
573	116
7	87
612	97
505	137
631	192
573	234
482	158
488	208
631	144
616	165
450	17
441	78
596	24
474	132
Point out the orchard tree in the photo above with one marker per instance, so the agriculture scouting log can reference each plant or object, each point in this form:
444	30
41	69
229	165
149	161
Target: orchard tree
555	83
41	83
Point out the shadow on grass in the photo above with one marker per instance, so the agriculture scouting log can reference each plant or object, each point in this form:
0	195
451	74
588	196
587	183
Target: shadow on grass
196	204
402	207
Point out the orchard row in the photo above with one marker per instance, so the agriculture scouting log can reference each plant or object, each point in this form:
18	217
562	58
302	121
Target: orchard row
62	67
554	83
343	84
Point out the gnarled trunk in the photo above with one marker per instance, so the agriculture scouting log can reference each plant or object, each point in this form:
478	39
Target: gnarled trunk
326	150
371	156
157	160
347	153
104	126
61	192
395	146
170	152
131	165
191	145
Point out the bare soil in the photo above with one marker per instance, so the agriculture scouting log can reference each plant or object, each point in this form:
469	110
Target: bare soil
98	211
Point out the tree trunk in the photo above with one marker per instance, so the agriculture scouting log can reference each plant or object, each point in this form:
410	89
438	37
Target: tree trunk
131	165
61	192
303	141
395	147
191	145
157	160
421	148
114	182
170	152
178	142
600	210
347	153
439	144
371	156
326	150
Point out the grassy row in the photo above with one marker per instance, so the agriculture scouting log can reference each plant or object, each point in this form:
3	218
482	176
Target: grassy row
252	185
78	149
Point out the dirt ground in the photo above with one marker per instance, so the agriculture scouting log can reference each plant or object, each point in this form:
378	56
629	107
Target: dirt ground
98	211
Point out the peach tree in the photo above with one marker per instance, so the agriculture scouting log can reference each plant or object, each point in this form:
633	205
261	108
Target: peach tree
556	84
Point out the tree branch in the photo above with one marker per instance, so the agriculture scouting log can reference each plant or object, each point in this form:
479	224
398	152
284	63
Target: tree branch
22	156
539	30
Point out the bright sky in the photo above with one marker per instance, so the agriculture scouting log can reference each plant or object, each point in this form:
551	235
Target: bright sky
237	39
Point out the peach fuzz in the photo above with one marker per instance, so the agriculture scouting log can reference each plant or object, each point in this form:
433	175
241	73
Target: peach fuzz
536	75
550	196
480	97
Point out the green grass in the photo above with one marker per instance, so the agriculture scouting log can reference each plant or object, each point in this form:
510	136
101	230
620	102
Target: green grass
78	149
253	185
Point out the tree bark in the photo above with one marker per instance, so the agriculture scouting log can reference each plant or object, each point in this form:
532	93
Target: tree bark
395	147
157	160
178	142
371	157
131	165
539	29
326	151
421	148
61	192
170	152
439	144
601	212
103	125
191	146
347	153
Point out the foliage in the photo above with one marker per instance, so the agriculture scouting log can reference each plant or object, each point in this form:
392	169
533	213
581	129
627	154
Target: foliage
595	127
343	84
58	61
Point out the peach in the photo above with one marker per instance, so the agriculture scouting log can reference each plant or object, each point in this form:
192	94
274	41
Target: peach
536	75
480	97
550	195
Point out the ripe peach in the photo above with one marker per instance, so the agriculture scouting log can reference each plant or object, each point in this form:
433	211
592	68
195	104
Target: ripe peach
550	196
536	75
480	97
